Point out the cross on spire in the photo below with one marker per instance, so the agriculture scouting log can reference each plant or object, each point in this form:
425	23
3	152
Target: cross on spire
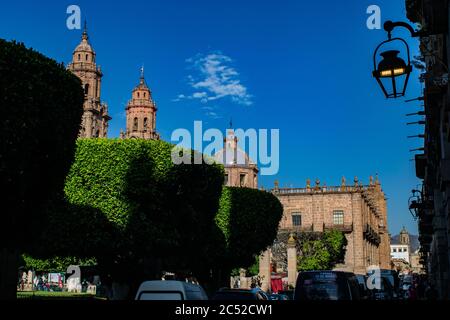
142	79
85	34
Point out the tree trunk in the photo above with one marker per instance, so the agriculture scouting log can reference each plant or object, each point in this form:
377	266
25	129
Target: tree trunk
9	264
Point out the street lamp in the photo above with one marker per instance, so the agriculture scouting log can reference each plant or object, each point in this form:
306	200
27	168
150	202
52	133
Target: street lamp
392	72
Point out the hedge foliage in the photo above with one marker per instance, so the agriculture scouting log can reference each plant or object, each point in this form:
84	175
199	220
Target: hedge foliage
54	264
248	219
128	205
41	106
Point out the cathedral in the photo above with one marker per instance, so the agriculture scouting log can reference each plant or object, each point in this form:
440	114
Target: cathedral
240	170
140	110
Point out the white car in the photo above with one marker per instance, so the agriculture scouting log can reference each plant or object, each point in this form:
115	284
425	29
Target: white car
170	290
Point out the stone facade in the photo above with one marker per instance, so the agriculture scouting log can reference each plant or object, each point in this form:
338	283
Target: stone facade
432	207
141	113
95	118
359	211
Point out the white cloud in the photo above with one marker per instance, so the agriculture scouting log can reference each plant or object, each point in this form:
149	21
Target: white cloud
215	78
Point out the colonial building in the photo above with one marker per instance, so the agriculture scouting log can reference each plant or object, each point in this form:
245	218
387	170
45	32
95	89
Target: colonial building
401	249
433	164
240	170
95	118
358	211
141	113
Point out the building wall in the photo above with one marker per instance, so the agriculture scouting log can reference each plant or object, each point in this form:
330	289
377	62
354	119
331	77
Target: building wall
433	165
233	176
400	251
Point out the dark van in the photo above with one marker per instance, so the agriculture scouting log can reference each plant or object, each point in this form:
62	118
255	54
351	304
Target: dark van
327	285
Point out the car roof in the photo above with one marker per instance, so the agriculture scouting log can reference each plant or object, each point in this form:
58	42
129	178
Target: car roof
238	290
168	285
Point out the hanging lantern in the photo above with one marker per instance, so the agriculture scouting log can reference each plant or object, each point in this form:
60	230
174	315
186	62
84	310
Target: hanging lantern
392	72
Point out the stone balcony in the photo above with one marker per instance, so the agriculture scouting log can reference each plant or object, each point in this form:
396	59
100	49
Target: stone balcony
346	228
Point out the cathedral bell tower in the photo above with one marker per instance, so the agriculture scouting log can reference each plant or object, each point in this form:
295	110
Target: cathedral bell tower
95	119
141	113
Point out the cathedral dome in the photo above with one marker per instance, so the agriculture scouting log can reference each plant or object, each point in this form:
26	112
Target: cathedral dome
84	49
84	45
232	155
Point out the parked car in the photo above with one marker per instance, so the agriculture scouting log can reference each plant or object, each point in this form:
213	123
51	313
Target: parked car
393	278
170	290
288	293
240	294
386	291
327	285
364	292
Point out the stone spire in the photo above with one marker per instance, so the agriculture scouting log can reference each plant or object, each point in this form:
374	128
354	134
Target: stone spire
141	112
142	77
85	36
94	123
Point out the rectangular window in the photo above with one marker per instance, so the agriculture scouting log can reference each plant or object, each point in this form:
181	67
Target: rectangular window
296	219
226	180
338	217
242	179
395	250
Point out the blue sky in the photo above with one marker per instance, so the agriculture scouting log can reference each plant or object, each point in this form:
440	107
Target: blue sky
301	67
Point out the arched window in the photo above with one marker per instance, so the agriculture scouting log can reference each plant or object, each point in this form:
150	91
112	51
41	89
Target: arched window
145	124
145	94
87	57
86	89
135	124
79	57
138	94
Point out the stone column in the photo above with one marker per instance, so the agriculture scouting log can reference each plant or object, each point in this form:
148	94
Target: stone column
264	270
243	279
359	258
292	260
88	126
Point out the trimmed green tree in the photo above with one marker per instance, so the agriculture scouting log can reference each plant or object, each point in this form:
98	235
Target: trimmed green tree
41	105
248	220
321	251
129	206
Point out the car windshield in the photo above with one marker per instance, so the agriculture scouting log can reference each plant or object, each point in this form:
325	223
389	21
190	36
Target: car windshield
322	287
